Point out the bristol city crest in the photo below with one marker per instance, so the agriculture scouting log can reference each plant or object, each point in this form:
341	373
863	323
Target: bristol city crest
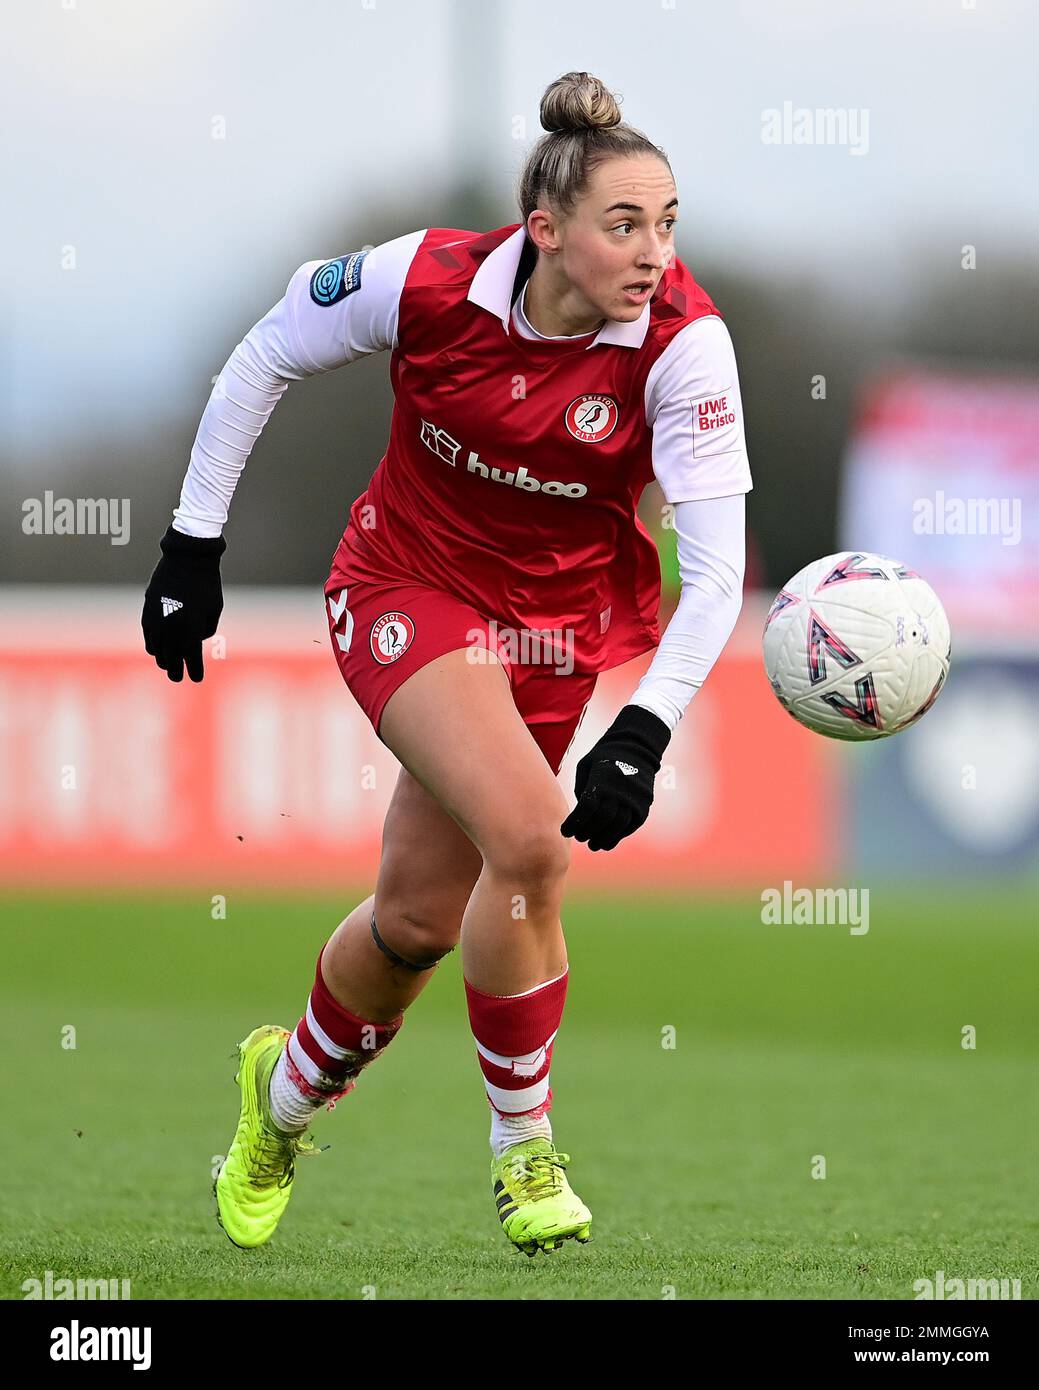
392	635
592	418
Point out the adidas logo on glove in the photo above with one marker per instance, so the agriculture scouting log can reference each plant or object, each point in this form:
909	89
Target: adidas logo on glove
170	605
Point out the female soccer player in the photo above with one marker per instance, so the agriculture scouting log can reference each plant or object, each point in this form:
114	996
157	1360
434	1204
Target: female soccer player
544	372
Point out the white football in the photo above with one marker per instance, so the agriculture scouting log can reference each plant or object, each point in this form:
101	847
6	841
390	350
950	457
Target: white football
856	646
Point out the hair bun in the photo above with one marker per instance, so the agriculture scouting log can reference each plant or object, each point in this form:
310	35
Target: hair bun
578	101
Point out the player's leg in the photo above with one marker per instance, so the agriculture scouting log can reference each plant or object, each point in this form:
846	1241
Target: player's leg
355	1008
383	954
427	871
380	632
456	729
379	958
455	726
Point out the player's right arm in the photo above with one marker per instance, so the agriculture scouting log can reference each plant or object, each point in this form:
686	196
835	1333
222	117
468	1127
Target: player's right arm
332	313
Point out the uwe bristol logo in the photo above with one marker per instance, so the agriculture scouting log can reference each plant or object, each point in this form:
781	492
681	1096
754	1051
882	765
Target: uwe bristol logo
592	418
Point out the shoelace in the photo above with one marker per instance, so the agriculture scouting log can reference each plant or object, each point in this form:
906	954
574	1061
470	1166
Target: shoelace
273	1157
538	1172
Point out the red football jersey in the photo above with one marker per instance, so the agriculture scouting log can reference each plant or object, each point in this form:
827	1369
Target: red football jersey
514	466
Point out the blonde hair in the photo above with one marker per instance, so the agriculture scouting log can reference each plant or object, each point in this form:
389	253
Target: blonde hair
584	128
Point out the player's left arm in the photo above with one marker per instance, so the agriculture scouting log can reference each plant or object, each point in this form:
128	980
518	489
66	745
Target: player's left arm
694	408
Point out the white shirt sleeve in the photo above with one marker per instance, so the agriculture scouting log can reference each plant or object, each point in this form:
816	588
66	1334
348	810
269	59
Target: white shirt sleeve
333	312
694	409
711	556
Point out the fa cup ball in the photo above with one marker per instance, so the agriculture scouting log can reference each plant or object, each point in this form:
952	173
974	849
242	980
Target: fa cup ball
856	646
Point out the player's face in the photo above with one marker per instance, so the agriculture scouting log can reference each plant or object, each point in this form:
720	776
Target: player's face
619	240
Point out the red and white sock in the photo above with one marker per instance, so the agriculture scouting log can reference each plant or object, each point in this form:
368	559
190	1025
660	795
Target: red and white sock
514	1036
323	1058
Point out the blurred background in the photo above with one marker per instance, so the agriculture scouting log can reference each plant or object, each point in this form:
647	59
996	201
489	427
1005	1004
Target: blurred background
857	195
869	236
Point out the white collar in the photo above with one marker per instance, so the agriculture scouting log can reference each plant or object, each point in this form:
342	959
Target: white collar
491	289
526	329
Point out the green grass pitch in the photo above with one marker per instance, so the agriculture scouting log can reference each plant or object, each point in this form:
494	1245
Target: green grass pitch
696	1159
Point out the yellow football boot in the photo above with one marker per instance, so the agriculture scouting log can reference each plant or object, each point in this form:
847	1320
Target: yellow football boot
537	1207
254	1183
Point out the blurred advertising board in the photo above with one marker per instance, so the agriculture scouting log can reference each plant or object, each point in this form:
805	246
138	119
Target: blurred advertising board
942	472
267	773
958	797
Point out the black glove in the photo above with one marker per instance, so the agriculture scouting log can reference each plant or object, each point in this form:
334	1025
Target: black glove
614	782
183	602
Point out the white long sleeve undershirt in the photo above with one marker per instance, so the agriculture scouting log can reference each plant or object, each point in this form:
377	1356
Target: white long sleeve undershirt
245	394
711	556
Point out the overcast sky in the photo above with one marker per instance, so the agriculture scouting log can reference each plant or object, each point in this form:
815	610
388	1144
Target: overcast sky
110	108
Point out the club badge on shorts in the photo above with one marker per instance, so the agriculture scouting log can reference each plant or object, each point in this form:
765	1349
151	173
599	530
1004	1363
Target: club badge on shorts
392	635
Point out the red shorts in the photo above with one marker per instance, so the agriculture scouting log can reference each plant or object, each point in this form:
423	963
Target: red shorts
383	631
